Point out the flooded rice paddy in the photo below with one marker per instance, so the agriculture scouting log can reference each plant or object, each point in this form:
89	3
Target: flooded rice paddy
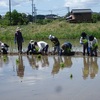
49	78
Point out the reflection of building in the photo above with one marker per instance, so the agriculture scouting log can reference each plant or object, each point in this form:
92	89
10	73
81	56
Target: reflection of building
20	67
90	67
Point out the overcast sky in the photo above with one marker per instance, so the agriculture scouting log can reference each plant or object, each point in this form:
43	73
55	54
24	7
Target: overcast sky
49	6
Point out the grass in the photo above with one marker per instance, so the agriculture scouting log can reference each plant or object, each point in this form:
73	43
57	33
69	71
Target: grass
60	29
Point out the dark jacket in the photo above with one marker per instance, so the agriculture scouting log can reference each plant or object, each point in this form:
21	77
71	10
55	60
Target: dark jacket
55	41
18	37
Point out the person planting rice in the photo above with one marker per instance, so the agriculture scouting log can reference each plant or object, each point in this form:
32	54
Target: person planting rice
56	44
84	42
92	45
31	47
66	48
43	47
3	48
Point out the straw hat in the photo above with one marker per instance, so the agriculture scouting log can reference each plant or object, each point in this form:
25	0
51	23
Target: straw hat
31	41
18	29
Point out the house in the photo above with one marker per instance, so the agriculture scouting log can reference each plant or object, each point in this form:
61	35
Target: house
51	16
80	15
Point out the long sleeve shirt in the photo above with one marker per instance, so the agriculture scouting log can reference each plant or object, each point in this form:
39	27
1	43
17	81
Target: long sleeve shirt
41	45
92	43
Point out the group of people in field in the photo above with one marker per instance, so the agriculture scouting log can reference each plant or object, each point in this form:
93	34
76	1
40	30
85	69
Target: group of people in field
90	45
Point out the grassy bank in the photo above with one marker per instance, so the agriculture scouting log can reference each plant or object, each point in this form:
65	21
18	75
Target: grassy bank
60	29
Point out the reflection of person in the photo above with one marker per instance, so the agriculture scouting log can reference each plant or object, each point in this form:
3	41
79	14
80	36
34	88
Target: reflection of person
67	61
90	67
93	45
43	47
66	48
93	67
32	61
56	44
19	39
4	47
56	66
20	67
84	42
31	47
45	61
86	67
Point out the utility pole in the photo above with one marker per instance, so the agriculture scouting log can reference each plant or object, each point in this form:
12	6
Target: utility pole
35	13
10	11
68	9
32	10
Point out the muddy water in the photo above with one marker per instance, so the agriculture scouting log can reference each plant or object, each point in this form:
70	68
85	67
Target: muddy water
49	78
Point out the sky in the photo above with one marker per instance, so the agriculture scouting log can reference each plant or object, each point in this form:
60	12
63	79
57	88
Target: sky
59	7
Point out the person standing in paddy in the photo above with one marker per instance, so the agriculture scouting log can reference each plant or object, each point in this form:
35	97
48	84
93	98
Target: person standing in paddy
19	39
84	42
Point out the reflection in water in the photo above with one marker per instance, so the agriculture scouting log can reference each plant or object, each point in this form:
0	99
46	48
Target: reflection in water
32	61
90	67
37	63
20	67
65	60
56	65
4	59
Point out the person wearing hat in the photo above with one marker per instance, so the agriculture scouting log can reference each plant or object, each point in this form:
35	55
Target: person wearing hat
19	39
4	48
84	42
31	47
43	47
92	45
56	44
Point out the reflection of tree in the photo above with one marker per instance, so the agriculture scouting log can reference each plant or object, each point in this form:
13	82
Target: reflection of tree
20	67
90	67
56	65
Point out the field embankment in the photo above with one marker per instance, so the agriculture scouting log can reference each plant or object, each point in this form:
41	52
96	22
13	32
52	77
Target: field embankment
60	29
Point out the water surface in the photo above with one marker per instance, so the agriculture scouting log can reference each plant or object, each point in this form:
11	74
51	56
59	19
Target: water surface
49	78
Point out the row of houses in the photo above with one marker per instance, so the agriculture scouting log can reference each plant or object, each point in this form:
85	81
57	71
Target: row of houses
76	15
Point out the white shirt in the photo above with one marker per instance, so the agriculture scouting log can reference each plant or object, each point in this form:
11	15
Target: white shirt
41	45
91	43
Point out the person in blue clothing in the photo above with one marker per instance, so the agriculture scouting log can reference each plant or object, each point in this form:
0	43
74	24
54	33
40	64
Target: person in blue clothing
66	48
19	39
31	47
